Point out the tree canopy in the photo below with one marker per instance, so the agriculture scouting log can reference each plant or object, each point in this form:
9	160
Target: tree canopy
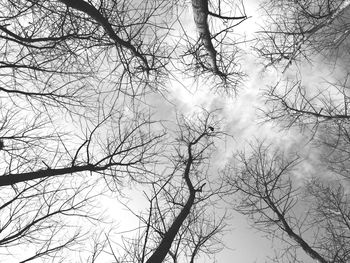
92	110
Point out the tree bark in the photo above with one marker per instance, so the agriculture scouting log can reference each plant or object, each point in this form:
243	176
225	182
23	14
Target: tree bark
200	15
12	179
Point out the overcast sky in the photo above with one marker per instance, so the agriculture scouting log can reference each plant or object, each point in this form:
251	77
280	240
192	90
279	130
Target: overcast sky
243	122
241	119
240	114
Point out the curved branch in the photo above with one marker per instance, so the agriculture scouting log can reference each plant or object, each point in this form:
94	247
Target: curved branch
227	17
91	11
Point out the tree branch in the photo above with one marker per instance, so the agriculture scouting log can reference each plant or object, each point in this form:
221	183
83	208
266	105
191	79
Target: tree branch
91	11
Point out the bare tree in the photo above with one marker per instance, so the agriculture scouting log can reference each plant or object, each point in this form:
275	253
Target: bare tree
123	149
180	223
300	29
321	113
40	160
200	15
265	179
216	55
78	38
70	50
37	219
199	235
57	59
68	86
73	78
64	70
40	201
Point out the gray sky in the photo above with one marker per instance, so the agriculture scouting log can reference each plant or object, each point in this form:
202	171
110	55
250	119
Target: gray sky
241	120
244	244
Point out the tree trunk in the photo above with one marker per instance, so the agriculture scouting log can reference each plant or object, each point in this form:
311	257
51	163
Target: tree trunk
200	15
